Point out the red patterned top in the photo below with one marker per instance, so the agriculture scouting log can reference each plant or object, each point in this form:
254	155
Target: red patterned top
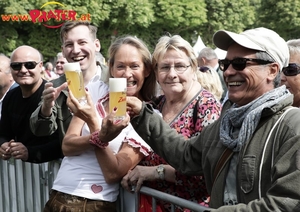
188	187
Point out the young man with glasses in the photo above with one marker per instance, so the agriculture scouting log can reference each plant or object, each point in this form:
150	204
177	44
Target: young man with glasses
16	139
290	75
250	155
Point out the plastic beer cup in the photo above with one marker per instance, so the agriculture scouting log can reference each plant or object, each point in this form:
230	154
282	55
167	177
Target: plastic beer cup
75	81
117	96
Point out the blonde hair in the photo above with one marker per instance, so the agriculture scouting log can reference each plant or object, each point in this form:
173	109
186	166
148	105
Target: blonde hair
173	42
210	81
148	90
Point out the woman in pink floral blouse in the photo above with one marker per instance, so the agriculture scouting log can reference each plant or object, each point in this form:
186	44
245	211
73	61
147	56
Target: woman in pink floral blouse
187	108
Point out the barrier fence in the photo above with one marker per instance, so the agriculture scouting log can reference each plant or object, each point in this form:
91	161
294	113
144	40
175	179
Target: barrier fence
25	187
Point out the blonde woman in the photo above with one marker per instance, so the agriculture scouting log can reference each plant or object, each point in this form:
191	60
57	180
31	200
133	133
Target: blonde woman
209	79
187	108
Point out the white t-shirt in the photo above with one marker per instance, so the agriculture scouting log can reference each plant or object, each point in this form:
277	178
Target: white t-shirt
81	175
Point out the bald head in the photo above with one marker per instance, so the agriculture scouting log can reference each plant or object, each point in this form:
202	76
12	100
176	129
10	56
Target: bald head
27	63
23	53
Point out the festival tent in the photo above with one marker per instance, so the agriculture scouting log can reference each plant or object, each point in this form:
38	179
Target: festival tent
199	45
221	53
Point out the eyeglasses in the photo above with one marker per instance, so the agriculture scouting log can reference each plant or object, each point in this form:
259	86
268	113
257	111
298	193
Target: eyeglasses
204	69
17	66
239	64
178	68
292	70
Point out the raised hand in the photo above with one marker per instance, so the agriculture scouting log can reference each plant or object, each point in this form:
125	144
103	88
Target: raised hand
50	94
86	112
134	105
111	128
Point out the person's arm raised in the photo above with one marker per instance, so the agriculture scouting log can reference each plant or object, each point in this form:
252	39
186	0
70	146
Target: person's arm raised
132	150
184	155
74	143
50	94
43	119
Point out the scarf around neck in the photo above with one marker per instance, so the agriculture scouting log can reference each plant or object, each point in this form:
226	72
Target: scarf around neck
244	120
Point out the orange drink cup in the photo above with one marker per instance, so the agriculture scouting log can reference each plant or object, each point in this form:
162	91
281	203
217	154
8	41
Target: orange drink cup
117	96
75	81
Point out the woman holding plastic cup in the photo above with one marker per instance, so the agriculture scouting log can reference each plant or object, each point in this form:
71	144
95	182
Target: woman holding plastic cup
96	167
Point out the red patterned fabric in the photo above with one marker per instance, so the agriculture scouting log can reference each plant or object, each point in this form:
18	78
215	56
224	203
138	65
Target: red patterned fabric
187	187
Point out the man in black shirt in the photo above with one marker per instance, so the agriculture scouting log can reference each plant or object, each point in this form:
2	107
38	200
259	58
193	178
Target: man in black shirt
16	138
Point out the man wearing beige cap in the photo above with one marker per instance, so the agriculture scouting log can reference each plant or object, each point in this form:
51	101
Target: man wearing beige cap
250	156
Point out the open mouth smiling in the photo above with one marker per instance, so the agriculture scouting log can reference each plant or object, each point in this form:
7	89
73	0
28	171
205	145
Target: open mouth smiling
235	83
77	59
131	83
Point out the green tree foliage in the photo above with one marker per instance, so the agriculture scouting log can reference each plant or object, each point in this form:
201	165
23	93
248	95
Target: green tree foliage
232	15
148	20
281	16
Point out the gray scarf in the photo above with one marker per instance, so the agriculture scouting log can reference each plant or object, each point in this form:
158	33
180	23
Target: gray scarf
245	119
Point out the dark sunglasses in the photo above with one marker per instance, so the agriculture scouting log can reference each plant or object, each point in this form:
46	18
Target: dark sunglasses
292	70
204	69
239	64
17	66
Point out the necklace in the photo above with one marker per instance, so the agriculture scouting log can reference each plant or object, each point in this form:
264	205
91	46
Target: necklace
168	120
170	115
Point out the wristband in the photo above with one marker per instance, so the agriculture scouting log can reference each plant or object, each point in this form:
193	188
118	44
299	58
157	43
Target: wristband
94	140
44	117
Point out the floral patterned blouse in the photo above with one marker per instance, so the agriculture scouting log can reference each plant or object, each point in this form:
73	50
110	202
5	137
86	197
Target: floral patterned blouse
188	187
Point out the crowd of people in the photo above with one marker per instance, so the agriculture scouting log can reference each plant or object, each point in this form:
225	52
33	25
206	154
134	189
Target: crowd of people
222	132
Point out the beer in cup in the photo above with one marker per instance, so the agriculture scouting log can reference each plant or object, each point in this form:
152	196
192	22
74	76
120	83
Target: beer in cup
117	96
75	81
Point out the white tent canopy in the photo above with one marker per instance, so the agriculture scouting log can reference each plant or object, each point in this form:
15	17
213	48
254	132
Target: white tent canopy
199	45
221	53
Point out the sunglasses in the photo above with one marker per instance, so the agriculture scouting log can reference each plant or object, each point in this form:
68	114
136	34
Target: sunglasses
17	66
204	69
240	64
292	70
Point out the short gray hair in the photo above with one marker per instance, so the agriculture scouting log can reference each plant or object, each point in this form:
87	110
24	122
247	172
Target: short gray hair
265	56
208	53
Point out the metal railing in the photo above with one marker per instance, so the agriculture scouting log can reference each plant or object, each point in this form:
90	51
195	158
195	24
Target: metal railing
129	202
24	187
175	201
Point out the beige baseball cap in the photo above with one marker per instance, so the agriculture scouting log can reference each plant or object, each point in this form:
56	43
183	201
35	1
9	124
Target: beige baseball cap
261	39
